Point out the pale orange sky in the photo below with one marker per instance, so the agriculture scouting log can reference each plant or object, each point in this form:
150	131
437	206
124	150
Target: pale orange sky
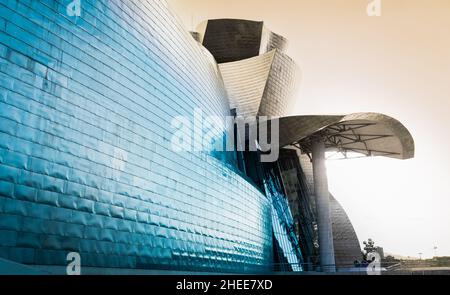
397	64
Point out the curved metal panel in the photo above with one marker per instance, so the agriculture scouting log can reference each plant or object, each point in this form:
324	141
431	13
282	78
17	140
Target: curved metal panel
271	41
86	163
280	86
260	86
346	244
246	83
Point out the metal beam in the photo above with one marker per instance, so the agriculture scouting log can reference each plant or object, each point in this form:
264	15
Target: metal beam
341	136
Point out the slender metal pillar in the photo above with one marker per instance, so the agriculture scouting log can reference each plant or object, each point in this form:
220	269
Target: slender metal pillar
322	197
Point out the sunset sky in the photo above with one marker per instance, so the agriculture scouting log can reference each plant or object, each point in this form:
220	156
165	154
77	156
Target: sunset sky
397	64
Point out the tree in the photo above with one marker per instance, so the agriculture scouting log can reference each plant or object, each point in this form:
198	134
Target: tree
369	247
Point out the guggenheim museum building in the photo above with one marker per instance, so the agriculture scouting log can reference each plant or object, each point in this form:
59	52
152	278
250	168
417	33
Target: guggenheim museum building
88	96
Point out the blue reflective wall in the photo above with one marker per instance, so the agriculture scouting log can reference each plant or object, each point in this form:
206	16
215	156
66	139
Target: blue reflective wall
86	163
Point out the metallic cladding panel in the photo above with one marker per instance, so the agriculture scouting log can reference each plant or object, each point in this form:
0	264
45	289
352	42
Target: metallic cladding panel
196	36
345	240
280	86
271	41
85	161
231	40
262	85
246	82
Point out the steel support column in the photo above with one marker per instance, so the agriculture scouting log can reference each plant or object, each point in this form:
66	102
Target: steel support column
322	197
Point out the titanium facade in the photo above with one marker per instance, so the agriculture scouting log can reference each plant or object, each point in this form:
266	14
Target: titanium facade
370	134
87	158
280	87
346	243
86	163
246	82
258	84
271	41
261	86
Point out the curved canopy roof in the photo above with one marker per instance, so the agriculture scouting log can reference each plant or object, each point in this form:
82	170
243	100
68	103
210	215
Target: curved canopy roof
370	134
